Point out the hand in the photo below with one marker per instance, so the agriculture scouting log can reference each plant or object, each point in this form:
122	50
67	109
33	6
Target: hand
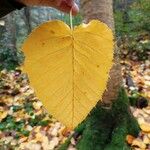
63	5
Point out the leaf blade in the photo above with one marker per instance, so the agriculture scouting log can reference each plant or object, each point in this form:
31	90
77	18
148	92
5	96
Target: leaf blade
69	69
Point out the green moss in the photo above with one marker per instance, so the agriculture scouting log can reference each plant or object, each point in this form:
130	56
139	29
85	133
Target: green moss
133	100
96	128
66	144
44	122
25	132
106	129
116	147
133	126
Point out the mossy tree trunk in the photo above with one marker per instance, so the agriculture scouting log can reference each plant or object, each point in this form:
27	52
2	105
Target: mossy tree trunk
103	11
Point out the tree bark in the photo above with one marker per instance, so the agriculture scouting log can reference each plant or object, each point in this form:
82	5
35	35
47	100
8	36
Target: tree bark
103	11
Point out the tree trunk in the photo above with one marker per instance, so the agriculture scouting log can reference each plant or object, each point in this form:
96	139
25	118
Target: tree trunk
103	10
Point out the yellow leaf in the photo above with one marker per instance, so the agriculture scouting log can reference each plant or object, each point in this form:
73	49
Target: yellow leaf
3	115
138	143
129	139
68	68
145	127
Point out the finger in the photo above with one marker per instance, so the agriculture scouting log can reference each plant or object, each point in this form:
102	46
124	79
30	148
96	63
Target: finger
70	2
67	8
64	5
75	9
64	8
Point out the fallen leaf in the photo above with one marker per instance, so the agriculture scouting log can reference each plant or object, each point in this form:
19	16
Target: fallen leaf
146	140
3	115
145	127
37	105
130	139
138	143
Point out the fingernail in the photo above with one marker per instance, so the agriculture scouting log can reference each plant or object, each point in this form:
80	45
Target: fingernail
75	9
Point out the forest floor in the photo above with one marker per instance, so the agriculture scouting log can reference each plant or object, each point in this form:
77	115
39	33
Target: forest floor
140	73
25	125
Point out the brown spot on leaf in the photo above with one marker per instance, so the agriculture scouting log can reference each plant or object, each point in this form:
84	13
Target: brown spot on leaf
52	31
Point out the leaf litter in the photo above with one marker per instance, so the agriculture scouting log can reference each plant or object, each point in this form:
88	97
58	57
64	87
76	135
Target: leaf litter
24	124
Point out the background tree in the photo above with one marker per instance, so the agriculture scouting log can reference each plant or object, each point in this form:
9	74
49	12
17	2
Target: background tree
103	10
